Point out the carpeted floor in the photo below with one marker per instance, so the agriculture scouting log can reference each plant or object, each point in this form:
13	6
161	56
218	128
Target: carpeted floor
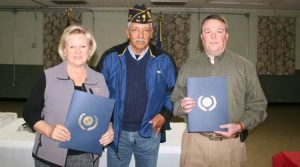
280	132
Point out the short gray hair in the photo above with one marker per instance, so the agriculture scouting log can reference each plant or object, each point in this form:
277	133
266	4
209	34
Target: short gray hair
130	23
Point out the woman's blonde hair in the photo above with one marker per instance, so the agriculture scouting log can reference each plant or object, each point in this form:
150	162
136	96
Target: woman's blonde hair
76	29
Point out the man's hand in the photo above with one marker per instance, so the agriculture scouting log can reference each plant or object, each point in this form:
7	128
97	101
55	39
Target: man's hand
232	129
187	104
157	122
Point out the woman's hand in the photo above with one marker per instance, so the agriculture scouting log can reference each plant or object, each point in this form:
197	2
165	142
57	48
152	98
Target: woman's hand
108	136
56	132
60	133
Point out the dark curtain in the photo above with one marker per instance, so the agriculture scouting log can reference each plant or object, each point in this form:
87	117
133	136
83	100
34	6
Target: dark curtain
175	35
276	45
54	24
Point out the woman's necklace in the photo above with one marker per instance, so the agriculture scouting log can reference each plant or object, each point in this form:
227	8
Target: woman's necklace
78	75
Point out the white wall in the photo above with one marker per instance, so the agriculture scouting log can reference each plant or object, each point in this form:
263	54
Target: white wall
6	41
21	38
109	30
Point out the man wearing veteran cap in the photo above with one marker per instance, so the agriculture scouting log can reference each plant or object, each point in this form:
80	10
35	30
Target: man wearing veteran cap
141	79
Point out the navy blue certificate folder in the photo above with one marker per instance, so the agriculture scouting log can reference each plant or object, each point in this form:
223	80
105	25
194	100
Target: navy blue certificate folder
211	110
87	120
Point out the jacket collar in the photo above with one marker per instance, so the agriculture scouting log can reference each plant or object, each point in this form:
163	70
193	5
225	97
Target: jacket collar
154	52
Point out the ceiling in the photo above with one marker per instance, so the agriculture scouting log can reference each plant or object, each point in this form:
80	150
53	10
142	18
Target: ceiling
233	4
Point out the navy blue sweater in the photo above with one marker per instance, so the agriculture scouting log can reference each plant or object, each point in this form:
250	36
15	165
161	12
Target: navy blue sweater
136	93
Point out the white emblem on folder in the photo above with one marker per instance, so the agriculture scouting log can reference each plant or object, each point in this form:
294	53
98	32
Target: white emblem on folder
207	103
87	122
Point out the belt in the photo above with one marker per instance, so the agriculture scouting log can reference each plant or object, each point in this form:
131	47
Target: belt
218	137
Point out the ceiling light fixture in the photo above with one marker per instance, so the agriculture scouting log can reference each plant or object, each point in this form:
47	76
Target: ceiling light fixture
70	2
239	3
169	1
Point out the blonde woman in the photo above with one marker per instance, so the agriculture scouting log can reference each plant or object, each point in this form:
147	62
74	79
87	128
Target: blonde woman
47	106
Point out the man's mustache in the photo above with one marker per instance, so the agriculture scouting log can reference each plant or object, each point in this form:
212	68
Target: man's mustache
140	40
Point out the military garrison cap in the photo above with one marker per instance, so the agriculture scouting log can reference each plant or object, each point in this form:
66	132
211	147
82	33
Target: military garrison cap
139	14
